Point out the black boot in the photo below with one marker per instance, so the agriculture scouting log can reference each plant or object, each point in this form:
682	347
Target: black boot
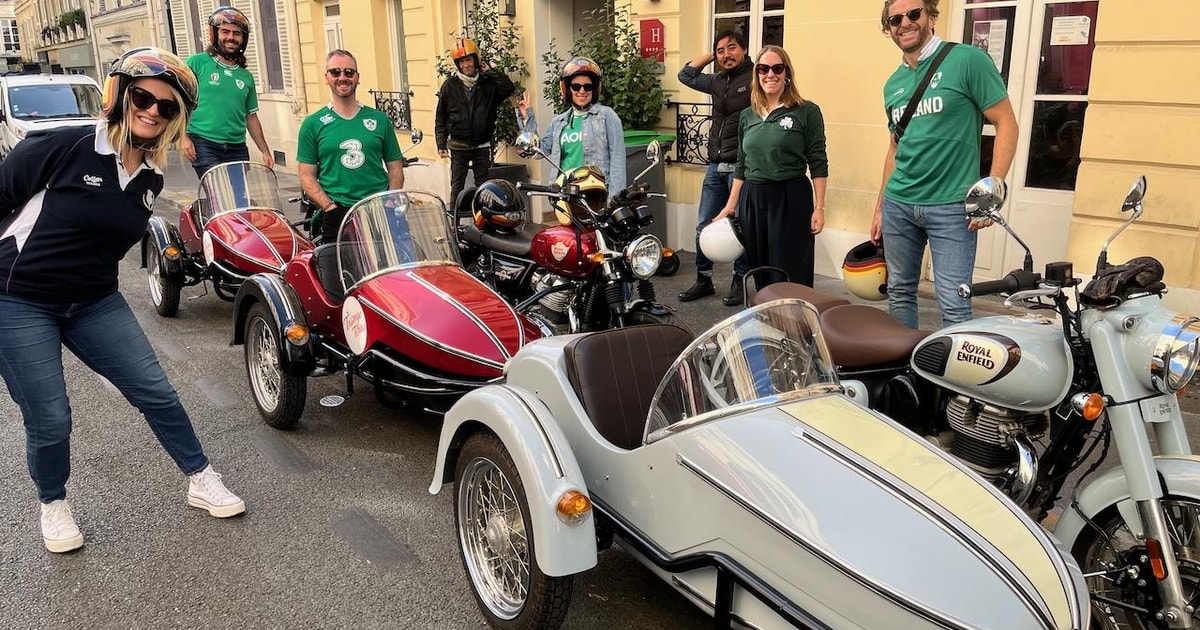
736	295
703	287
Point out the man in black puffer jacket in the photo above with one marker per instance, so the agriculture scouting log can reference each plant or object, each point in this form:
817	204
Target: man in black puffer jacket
468	103
730	89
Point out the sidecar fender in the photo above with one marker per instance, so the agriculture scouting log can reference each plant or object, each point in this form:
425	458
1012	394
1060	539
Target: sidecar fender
285	308
161	234
1180	476
543	458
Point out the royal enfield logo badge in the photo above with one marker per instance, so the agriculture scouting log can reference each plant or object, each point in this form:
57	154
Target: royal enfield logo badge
93	180
241	84
559	251
369	124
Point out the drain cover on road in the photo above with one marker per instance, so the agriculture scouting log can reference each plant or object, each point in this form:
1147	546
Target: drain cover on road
332	400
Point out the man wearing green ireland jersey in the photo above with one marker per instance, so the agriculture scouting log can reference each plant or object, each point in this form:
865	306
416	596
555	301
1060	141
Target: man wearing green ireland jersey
344	147
927	171
227	106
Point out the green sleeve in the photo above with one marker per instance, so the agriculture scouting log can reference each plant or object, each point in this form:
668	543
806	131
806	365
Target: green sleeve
195	63
391	146
814	149
739	171
251	96
983	80
306	144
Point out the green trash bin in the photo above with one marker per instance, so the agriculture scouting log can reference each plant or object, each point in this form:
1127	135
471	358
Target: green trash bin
636	142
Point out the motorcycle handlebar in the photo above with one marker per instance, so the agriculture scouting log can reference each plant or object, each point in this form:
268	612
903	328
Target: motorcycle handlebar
1016	280
550	189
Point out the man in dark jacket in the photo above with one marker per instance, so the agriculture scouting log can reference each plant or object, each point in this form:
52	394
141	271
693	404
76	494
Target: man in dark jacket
468	103
730	90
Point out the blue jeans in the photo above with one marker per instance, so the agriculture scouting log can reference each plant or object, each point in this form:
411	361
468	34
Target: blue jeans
210	154
713	196
906	228
104	335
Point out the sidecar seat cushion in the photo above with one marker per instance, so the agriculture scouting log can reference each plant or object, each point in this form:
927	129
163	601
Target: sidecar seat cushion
326	262
616	372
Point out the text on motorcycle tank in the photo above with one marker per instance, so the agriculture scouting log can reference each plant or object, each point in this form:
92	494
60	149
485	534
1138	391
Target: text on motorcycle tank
354	324
981	358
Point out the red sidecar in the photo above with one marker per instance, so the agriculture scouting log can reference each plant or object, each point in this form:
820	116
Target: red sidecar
234	229
389	302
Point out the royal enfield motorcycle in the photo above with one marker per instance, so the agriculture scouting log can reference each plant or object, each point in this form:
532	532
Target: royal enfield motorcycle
1033	402
590	271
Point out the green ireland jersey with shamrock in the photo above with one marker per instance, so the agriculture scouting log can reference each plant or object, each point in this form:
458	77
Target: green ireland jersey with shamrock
349	152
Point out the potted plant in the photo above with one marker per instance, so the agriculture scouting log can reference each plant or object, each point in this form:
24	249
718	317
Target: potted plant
499	45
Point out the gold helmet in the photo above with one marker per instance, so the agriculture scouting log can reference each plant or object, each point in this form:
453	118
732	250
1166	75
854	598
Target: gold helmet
865	271
466	47
591	200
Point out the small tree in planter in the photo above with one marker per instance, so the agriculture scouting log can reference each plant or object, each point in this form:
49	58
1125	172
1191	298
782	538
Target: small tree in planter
500	46
630	86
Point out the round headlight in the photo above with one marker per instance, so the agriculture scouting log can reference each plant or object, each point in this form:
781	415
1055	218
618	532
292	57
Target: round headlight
644	255
1176	354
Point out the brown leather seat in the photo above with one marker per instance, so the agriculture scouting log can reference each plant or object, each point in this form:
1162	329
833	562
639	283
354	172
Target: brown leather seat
859	336
781	290
616	372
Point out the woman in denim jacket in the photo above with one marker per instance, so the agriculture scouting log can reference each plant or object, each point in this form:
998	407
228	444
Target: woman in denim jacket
588	133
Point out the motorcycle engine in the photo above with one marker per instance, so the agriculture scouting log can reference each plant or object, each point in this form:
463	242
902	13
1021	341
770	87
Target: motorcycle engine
553	307
981	434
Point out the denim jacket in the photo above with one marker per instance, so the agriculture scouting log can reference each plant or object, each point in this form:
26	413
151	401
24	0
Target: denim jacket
603	143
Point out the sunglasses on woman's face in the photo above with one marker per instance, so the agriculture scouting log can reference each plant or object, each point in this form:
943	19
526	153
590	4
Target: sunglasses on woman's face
913	15
762	69
586	87
144	100
338	72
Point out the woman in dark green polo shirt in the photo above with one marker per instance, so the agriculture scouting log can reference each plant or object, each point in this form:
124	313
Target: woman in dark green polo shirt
781	141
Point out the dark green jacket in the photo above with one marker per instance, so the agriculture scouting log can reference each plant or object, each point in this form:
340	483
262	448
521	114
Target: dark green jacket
788	144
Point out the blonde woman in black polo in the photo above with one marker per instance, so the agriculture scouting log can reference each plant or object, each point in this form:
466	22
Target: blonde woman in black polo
781	143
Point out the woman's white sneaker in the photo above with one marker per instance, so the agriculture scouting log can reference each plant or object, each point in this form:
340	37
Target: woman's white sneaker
59	530
207	492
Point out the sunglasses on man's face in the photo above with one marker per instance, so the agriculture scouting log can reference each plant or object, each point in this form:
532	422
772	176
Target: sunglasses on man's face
586	87
913	15
762	69
338	72
144	100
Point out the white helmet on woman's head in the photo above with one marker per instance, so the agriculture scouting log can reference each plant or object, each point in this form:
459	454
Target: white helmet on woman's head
721	241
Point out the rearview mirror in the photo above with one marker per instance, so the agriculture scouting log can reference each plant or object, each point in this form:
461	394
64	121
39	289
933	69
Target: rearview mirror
986	198
416	136
654	152
1137	192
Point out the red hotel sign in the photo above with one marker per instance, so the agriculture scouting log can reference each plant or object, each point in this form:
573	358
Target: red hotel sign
652	40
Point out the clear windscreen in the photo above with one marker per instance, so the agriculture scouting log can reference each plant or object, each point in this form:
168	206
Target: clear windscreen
759	353
236	186
390	230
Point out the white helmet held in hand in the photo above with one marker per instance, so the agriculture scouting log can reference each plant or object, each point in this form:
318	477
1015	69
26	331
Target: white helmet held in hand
721	242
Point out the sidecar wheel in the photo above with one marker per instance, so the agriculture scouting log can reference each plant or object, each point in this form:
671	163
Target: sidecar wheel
164	291
1116	547
496	541
279	396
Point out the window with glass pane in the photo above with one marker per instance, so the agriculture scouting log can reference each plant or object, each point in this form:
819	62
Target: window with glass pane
760	21
1068	41
992	31
270	45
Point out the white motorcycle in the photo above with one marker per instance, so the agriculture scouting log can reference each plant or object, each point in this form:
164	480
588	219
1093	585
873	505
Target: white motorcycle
1026	400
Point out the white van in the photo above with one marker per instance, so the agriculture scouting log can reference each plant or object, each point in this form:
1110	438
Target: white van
31	102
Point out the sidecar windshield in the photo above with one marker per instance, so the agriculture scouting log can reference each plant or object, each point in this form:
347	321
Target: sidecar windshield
756	355
390	230
237	186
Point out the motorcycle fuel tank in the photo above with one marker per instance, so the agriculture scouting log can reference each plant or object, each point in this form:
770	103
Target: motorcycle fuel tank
564	250
1020	363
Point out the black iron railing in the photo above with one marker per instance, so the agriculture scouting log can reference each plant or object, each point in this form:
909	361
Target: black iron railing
397	106
692	121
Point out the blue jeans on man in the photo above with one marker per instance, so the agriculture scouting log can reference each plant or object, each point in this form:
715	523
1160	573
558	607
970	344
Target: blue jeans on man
906	229
108	339
210	154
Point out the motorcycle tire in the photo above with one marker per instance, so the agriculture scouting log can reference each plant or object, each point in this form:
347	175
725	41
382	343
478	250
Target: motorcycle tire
278	395
487	488
164	290
1113	547
668	266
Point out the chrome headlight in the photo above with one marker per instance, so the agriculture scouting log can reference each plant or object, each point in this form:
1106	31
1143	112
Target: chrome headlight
644	255
1176	354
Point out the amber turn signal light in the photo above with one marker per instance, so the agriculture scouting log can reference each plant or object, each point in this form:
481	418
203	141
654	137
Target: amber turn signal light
1157	566
1090	406
297	334
171	253
573	507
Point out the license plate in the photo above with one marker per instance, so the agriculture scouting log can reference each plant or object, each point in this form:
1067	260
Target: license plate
1163	408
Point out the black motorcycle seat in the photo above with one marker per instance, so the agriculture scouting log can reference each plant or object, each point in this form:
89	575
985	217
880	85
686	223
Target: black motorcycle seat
860	336
782	290
513	243
325	261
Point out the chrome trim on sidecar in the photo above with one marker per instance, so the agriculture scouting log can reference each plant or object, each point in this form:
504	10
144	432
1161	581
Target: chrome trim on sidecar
768	401
429	340
446	297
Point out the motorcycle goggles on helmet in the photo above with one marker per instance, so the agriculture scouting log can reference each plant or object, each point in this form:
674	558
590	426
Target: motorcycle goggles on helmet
588	201
146	62
231	16
576	67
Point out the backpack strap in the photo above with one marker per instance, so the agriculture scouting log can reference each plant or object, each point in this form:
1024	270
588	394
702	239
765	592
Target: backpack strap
911	108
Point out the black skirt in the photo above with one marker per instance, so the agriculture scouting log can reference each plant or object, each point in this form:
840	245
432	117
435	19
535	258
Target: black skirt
777	227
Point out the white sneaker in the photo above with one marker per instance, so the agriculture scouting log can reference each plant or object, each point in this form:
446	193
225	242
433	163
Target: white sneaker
205	491
59	530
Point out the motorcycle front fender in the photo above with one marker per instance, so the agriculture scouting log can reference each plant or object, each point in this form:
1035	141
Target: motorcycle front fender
1179	475
285	308
544	460
161	234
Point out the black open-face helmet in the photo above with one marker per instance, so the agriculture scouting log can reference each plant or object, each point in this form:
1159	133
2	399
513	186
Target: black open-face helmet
498	204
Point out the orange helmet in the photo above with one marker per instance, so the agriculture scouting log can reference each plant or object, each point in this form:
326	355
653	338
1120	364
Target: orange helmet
593	195
864	271
466	48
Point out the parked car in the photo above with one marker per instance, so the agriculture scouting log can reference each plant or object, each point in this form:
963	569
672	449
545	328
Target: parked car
36	102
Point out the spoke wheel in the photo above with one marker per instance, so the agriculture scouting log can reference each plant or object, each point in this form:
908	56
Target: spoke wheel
496	541
1116	550
164	290
777	366
278	394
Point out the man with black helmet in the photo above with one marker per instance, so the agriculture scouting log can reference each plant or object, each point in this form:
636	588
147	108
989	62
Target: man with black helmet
468	103
228	104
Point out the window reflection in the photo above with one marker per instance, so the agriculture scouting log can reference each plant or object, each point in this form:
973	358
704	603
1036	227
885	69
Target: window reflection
1054	140
1068	40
